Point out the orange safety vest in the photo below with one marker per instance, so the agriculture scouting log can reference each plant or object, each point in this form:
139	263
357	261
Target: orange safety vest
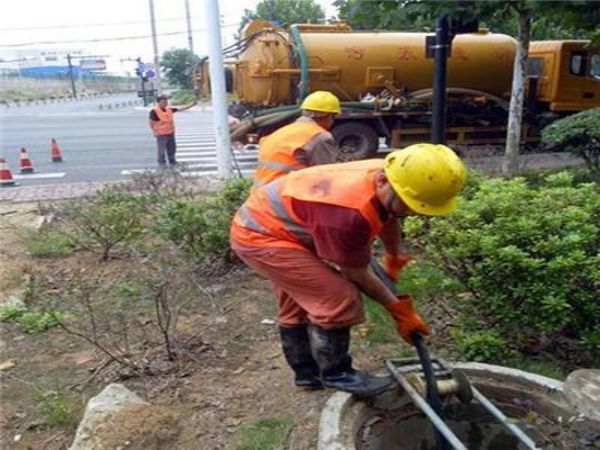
267	218
165	124
276	153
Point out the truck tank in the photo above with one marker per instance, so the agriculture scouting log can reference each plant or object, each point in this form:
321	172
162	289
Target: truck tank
275	67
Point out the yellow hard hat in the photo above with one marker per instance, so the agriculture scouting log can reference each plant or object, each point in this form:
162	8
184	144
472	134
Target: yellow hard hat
322	101
427	177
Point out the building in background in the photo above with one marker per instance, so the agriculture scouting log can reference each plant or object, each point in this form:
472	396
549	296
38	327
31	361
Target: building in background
51	63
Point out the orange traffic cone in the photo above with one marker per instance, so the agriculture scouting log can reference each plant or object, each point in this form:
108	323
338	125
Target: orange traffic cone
26	164
55	152
6	178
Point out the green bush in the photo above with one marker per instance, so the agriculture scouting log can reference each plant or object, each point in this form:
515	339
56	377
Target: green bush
578	134
528	257
201	227
32	322
183	96
484	346
48	244
111	219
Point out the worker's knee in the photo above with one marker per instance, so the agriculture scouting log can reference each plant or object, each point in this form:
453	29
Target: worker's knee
343	308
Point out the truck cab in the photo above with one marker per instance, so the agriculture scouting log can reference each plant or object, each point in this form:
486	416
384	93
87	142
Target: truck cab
568	74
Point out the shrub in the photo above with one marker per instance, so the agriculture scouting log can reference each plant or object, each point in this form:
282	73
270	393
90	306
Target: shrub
484	346
578	134
201	227
113	218
48	244
529	257
31	322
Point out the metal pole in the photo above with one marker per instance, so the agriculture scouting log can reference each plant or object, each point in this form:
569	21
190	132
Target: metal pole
489	406
217	88
155	45
188	20
437	422
438	119
71	76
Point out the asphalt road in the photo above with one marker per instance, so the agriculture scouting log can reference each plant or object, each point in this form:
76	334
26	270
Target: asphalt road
97	144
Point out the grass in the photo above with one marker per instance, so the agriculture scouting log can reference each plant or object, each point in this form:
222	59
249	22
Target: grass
183	97
47	244
544	368
31	322
423	281
265	433
53	406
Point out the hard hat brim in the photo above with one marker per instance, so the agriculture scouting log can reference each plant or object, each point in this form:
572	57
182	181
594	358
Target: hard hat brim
427	209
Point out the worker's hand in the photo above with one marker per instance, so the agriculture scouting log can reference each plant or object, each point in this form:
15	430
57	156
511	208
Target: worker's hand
407	320
392	264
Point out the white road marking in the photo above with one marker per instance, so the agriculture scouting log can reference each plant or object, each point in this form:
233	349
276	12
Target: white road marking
38	176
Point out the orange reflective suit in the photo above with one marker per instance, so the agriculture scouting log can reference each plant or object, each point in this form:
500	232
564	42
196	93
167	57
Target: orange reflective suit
276	154
270	238
165	125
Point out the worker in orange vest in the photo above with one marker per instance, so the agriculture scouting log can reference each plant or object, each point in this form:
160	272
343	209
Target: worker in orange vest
162	125
303	143
310	234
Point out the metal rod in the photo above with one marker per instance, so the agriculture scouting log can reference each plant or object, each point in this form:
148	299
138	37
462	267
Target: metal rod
489	406
437	422
433	396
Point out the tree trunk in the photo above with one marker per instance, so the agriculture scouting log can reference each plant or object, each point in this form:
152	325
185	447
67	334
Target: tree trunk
510	163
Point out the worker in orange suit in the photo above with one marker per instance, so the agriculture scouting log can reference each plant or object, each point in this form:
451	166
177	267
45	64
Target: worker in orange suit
303	143
162	124
311	232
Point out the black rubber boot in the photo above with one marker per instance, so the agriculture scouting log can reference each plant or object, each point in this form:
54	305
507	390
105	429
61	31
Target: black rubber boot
330	350
296	348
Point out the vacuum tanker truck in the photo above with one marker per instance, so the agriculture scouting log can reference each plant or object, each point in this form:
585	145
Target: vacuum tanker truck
384	80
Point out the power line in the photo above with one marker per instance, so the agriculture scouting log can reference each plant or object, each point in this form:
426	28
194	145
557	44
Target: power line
121	38
103	24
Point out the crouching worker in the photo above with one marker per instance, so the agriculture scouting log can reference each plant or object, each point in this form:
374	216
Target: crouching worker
295	230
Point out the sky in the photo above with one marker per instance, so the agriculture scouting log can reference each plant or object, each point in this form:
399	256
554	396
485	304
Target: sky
36	21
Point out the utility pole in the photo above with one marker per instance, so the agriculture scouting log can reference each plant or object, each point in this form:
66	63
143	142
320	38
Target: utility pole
155	44
438	116
217	88
188	19
71	76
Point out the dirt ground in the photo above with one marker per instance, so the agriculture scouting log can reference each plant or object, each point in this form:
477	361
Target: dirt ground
234	372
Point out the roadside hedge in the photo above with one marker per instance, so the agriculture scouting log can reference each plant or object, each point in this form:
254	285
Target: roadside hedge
528	259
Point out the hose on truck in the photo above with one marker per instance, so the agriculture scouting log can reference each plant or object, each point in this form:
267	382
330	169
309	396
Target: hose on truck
273	116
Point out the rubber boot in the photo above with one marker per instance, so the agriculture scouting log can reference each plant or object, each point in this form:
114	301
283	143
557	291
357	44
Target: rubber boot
296	348
330	350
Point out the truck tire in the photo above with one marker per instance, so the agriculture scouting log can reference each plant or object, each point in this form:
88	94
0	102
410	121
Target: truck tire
356	140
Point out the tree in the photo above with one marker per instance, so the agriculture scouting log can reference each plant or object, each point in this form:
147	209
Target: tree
178	67
517	17
284	12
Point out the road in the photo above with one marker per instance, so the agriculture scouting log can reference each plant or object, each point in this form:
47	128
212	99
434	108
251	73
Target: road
112	144
101	144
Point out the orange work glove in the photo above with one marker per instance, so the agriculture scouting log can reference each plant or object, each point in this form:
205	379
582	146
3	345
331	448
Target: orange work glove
407	320
392	264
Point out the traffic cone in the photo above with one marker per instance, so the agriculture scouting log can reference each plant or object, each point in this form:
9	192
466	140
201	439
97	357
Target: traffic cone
25	162
6	179
55	152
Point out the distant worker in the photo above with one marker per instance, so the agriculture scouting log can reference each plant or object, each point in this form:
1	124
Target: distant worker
295	230
304	143
163	126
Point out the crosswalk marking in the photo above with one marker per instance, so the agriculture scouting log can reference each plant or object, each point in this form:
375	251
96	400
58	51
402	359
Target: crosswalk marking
197	152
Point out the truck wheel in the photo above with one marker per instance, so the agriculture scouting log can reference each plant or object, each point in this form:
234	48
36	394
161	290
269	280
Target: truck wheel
356	141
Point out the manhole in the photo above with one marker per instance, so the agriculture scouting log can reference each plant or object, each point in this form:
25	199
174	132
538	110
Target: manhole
536	404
